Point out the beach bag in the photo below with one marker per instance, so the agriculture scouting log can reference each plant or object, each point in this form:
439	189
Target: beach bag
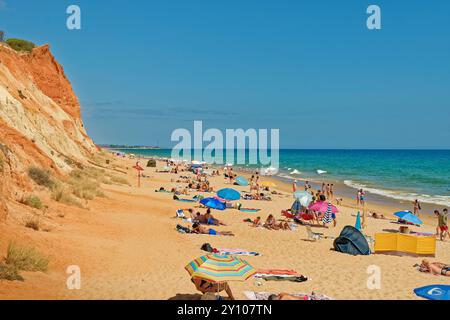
182	229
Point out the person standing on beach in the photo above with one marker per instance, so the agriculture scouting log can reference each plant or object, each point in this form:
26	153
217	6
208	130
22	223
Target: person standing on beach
362	198
294	186
328	189
442	227
416	207
358	197
323	187
331	191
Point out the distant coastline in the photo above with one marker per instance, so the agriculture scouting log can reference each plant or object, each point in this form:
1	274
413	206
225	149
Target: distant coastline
117	147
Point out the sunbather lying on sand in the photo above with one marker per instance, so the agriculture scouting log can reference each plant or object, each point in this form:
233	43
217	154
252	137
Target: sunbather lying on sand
205	286
377	215
197	228
211	220
286	296
435	268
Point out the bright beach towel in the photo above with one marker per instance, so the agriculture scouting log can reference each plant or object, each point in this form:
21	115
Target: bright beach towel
252	295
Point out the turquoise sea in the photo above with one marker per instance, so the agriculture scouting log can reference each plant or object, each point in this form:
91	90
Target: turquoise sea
396	174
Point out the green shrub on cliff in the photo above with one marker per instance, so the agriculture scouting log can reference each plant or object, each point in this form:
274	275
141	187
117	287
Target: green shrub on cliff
20	45
41	177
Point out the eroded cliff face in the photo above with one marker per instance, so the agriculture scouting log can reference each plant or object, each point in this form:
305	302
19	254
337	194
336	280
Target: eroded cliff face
40	118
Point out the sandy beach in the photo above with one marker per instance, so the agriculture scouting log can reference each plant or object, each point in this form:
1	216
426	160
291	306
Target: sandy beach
127	247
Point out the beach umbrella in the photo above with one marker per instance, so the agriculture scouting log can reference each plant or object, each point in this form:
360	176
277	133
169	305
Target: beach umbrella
213	203
358	222
268	184
296	207
322	206
242	181
304	197
409	217
434	292
220	268
229	194
327	217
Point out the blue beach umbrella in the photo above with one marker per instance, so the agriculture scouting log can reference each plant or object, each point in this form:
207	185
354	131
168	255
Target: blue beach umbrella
242	181
304	197
409	217
213	203
229	194
434	292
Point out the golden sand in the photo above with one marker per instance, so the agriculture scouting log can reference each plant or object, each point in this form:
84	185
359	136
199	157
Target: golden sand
127	248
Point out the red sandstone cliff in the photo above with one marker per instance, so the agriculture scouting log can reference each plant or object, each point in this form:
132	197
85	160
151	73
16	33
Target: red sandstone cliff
40	118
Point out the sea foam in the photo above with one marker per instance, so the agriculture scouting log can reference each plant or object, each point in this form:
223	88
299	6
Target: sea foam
401	195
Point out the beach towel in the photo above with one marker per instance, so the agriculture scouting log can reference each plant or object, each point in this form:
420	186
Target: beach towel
276	272
238	252
287	214
185	200
285	278
252	295
249	210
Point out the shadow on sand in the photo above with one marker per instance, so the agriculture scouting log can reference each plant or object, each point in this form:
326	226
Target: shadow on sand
186	296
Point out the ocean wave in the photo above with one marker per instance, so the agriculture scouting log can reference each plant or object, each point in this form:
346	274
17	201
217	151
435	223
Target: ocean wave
399	195
295	171
286	176
321	171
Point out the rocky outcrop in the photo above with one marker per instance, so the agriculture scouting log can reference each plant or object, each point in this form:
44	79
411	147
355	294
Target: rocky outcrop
40	118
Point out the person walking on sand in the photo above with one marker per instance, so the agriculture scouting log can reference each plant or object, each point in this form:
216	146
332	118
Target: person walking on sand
358	197
442	228
294	186
416	207
331	191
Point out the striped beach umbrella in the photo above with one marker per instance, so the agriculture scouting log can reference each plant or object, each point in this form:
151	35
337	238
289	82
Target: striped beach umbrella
327	218
220	268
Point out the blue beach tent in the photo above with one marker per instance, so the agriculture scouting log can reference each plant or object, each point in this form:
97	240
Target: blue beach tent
351	241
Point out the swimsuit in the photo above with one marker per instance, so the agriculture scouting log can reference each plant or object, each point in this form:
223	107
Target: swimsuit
212	232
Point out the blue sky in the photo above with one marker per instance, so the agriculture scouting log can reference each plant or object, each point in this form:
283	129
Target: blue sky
310	68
